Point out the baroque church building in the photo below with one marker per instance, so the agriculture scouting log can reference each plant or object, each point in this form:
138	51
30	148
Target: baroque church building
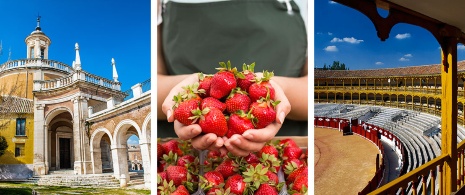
60	118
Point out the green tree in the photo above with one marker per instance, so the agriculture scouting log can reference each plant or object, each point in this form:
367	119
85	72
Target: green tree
3	145
336	66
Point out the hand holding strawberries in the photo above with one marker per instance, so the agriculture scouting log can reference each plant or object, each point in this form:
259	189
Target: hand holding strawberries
228	115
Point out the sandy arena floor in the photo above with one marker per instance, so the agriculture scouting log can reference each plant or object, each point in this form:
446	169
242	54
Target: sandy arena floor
343	164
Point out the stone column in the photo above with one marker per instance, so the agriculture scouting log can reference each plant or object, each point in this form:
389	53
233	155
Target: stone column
97	160
40	167
120	163
82	159
144	150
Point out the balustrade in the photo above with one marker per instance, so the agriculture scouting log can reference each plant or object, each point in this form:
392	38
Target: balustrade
76	76
42	63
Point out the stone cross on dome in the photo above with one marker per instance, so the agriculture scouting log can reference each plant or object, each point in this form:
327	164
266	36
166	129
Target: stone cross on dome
38	22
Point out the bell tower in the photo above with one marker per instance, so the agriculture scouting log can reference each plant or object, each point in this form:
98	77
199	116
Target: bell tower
37	43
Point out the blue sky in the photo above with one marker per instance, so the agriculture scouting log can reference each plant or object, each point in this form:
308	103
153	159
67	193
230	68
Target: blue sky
344	34
103	29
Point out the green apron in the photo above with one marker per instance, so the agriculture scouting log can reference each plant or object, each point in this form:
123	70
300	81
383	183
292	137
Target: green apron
196	37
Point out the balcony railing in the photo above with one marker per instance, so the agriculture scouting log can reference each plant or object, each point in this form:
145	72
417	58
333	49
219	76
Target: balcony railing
40	85
37	62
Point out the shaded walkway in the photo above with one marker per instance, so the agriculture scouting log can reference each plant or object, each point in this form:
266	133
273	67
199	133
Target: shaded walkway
391	162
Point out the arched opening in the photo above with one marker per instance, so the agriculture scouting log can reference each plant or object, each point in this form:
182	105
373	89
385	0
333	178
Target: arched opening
102	160
60	142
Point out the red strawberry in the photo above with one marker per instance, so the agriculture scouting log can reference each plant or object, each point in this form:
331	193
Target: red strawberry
172	146
251	158
236	184
268	149
178	174
263	110
291	152
287	142
266	189
185	160
205	83
211	179
223	81
299	183
290	165
163	175
159	151
237	100
212	120
211	102
181	190
249	75
273	178
302	170
261	87
239	123
227	168
183	111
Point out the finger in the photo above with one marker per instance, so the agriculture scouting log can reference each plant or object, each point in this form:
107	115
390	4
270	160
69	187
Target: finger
262	135
186	132
168	103
242	143
284	107
235	150
203	142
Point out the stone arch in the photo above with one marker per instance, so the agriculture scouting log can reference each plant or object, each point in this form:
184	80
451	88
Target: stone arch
122	127
55	112
145	145
96	150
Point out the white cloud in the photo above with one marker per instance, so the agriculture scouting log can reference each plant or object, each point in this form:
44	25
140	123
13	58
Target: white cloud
402	59
379	63
403	36
330	33
331	48
346	39
461	47
332	2
408	55
319	33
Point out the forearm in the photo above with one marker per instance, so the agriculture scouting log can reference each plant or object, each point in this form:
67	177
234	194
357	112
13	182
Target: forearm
296	90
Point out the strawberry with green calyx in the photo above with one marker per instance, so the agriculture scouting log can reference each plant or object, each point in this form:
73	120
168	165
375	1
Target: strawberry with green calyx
249	76
223	81
273	178
237	100
240	122
186	160
256	176
172	145
268	149
183	109
264	111
170	159
236	184
192	92
219	191
211	120
291	165
165	187
159	151
287	142
252	158
178	174
181	190
210	102
227	168
266	189
270	161
292	176
205	81
261	87
300	184
211	179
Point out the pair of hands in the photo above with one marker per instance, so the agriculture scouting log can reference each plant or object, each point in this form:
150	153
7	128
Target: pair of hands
240	145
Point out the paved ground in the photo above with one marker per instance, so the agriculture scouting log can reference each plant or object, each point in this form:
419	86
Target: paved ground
343	164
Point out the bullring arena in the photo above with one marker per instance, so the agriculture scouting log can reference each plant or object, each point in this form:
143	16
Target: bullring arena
396	111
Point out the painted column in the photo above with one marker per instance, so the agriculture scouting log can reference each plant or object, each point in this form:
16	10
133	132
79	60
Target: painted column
449	113
40	167
82	159
144	149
